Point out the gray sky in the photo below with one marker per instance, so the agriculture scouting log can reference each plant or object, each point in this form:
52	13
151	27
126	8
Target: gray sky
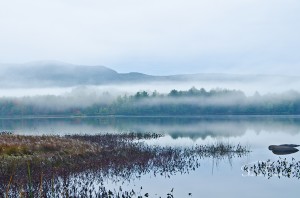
155	36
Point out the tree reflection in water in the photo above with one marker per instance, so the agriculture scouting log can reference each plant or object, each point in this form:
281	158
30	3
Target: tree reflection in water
121	158
280	168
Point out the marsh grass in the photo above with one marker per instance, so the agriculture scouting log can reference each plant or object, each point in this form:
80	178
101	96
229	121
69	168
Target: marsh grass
76	165
281	168
43	146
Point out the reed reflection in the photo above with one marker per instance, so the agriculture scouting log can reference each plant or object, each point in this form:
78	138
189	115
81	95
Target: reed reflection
281	168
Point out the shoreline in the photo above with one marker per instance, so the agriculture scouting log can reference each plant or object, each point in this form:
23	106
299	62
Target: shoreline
151	116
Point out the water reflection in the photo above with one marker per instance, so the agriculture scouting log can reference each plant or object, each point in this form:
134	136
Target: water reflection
257	132
193	127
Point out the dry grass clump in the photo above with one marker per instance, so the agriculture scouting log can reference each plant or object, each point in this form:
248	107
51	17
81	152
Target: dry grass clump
43	146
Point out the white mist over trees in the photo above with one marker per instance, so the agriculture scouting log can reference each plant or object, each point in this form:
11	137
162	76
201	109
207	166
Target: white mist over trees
55	78
88	102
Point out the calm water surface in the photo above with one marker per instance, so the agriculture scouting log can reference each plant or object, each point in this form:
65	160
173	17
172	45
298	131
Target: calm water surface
214	178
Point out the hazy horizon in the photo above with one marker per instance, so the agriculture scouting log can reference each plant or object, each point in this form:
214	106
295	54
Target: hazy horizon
250	45
155	37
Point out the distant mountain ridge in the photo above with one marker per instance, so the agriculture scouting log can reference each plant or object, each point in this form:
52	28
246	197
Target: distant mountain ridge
45	74
50	73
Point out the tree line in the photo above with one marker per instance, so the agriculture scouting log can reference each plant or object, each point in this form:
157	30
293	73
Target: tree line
191	102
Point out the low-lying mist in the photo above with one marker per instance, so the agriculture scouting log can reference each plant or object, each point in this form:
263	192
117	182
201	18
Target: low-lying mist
267	86
93	101
79	97
56	78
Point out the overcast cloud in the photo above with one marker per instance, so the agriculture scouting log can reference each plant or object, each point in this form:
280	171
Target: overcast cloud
155	36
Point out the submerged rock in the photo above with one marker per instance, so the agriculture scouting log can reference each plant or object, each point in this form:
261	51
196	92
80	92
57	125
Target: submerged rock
284	149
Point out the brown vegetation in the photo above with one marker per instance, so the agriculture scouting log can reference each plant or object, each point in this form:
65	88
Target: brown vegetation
76	165
43	147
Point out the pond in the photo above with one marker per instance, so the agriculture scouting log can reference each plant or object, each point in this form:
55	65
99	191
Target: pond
214	177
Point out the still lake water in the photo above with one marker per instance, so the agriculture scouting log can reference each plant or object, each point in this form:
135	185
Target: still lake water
214	178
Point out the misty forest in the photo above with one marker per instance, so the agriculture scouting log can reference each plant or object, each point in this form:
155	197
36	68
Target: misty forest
177	102
149	99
